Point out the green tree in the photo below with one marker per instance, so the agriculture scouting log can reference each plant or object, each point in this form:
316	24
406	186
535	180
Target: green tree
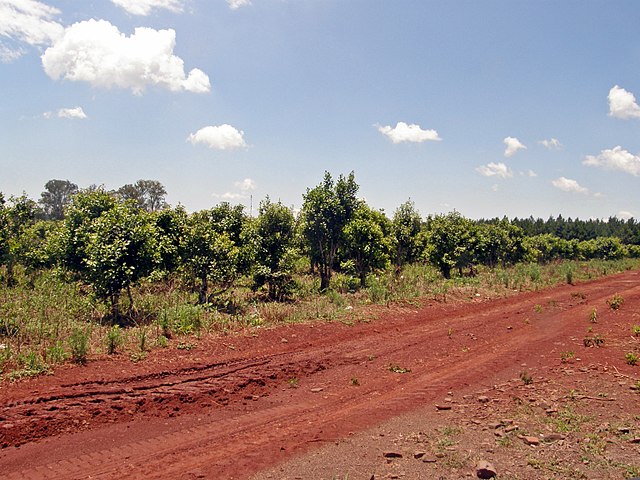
326	210
367	240
148	195
452	242
16	218
499	243
274	250
171	226
109	245
407	226
209	254
56	196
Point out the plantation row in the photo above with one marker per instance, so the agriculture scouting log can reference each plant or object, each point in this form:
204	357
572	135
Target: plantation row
109	242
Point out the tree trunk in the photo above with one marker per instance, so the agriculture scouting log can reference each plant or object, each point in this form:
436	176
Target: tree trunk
204	287
130	300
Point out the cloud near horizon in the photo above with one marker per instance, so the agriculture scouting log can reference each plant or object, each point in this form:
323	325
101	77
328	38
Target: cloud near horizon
568	185
96	52
513	145
221	137
404	132
616	158
622	104
145	7
495	170
245	185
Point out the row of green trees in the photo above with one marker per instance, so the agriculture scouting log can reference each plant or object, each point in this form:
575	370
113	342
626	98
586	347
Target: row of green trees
111	240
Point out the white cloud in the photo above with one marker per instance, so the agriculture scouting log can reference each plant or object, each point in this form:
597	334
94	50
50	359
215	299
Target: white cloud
245	185
622	104
96	52
236	4
615	159
408	133
229	196
531	173
144	7
552	144
568	185
495	187
26	21
222	137
513	145
495	169
72	113
624	215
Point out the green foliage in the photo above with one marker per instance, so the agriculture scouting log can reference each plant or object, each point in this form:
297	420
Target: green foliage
275	253
113	340
615	302
407	235
146	195
326	210
56	196
210	253
79	344
366	241
452	240
631	358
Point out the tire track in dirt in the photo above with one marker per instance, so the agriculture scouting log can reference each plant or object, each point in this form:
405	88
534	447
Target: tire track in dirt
250	433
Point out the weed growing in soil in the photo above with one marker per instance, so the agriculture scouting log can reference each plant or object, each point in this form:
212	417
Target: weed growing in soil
79	344
114	339
526	378
631	358
594	340
567	356
635	330
398	369
593	316
615	302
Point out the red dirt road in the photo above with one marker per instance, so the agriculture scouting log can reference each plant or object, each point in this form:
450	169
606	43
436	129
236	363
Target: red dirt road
236	405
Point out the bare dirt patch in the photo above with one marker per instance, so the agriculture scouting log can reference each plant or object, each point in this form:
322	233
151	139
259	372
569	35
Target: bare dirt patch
282	398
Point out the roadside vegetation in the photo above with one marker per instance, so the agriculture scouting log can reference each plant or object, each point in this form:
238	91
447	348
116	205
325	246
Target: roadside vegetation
88	271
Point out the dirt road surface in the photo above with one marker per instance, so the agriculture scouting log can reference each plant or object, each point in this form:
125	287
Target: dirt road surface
238	405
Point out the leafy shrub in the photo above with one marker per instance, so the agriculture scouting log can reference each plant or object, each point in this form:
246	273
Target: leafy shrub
114	339
615	302
79	344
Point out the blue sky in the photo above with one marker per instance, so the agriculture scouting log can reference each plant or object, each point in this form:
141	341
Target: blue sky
491	108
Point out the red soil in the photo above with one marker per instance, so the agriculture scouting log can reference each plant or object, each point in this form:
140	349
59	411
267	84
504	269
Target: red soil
236	405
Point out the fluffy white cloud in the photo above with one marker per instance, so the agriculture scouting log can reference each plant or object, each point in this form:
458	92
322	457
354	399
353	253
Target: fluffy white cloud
531	173
236	4
72	113
221	137
495	170
624	215
615	159
96	52
144	7
245	185
552	144
622	104
513	145
568	185
408	133
26	21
